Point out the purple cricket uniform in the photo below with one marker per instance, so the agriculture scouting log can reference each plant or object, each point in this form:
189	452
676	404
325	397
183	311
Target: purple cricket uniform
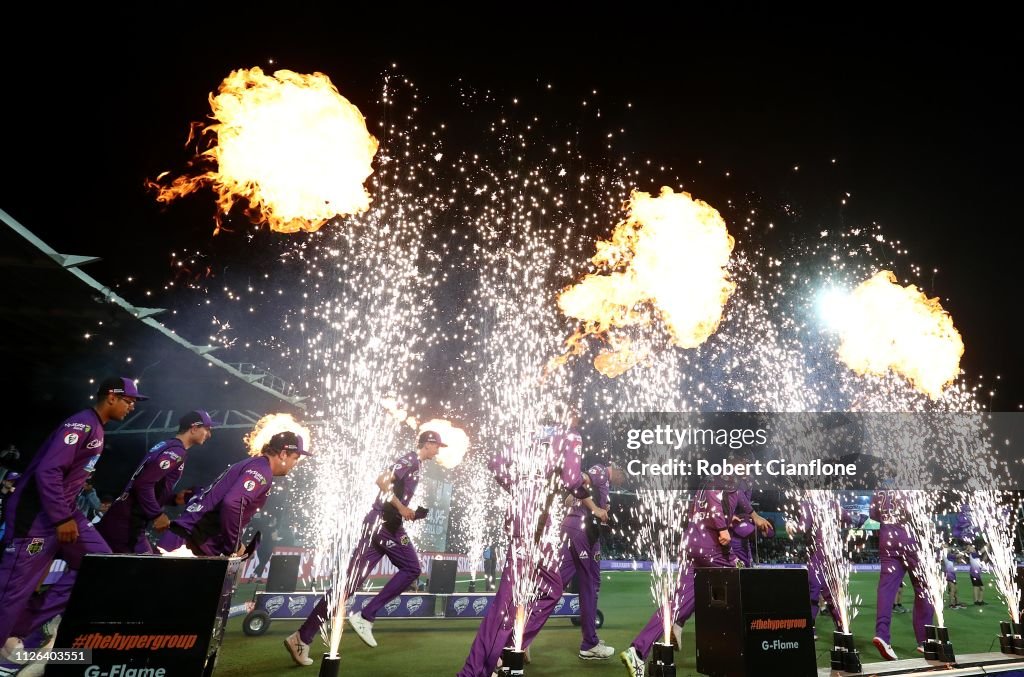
150	488
383	536
818	587
964	530
496	629
580	554
741	534
215	519
898	550
44	499
707	518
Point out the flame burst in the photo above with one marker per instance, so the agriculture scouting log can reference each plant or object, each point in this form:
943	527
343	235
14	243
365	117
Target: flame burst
667	260
270	425
885	326
289	144
456	439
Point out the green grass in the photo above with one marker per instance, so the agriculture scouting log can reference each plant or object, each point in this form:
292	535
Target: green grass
417	648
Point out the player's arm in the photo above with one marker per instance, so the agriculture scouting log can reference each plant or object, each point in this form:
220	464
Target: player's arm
385	482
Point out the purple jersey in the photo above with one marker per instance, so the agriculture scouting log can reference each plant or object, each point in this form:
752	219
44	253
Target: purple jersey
964	527
707	519
406	469
149	490
563	465
950	568
889	508
578	512
809	525
47	491
216	517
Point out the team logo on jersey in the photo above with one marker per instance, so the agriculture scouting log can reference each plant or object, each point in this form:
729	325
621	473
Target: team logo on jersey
296	604
194	507
249	485
35	546
274	603
479	604
584	555
574	604
392	605
71	438
460	604
405	539
414	603
258	475
94	444
165	464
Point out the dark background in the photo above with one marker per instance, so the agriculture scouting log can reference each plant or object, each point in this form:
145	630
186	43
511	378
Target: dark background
918	114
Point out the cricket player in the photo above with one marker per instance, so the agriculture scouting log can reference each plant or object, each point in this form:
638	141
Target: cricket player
581	552
151	488
383	536
215	518
818	586
744	523
707	545
898	554
42	520
563	470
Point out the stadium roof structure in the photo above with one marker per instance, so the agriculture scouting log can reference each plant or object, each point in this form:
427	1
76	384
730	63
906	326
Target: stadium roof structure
52	310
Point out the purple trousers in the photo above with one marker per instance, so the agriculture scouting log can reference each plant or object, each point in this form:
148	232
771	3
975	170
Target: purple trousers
24	564
682	601
896	560
819	589
495	631
397	547
579	558
116	529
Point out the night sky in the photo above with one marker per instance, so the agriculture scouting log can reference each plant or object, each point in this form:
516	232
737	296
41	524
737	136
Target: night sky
748	108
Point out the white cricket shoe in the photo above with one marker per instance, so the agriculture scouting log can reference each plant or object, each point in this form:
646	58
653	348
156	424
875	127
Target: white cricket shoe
884	649
298	650
633	662
363	628
599	652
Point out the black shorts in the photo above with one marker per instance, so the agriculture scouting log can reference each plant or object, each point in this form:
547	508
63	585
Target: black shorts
976	582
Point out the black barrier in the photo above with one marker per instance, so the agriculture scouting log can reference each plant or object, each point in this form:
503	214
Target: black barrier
146	612
284	573
442	576
754	622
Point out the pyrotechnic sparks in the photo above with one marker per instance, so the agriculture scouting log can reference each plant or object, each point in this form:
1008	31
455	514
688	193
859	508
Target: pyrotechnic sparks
830	544
475	493
995	514
289	145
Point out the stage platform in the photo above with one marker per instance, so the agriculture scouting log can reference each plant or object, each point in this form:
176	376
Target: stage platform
965	666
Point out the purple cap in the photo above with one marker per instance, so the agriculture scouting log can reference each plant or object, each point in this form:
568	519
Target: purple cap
290	442
743	529
120	386
428	436
197	417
